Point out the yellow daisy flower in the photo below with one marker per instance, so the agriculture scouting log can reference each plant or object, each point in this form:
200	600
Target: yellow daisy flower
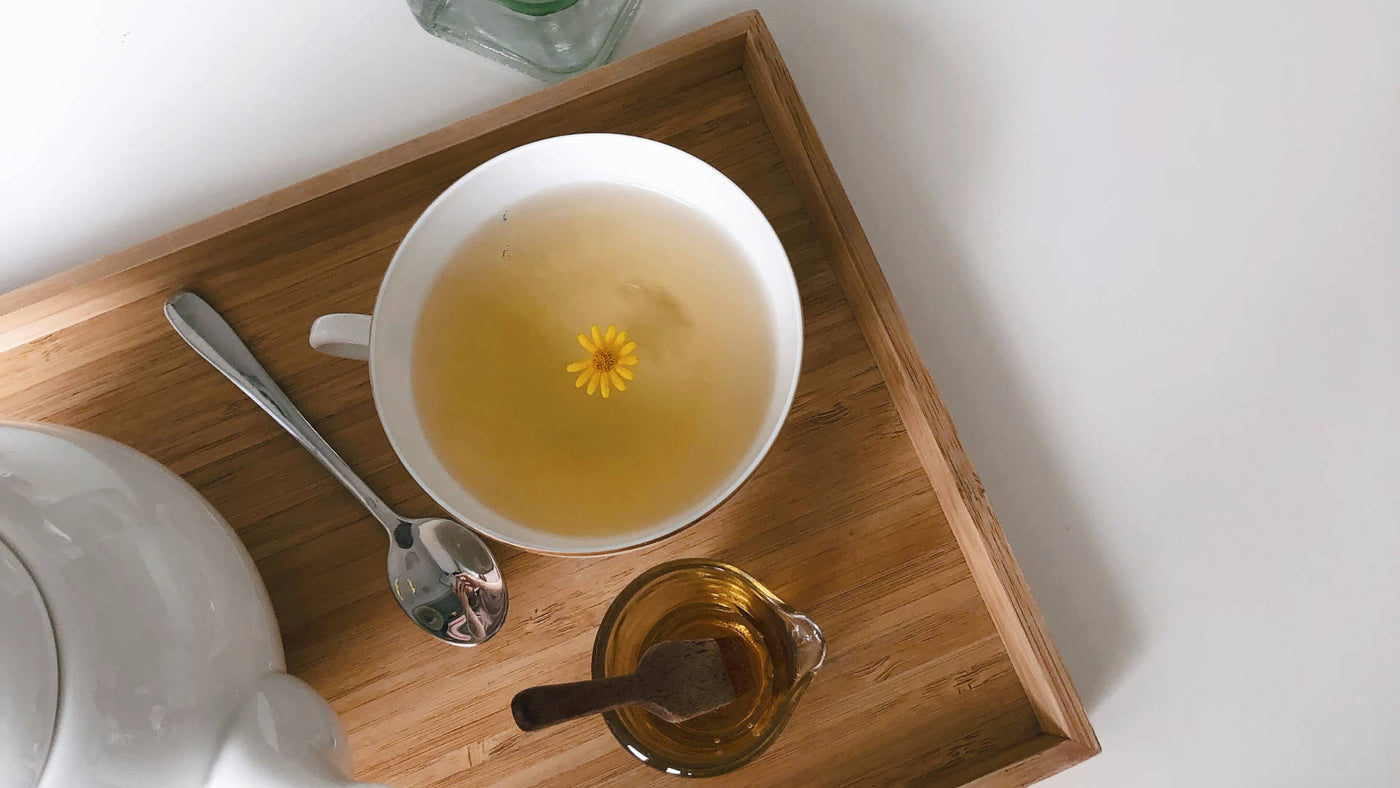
609	356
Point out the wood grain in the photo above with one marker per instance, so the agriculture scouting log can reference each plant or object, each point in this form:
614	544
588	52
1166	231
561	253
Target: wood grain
866	514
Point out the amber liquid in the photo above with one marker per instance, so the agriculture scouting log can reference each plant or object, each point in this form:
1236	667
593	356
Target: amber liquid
705	603
499	329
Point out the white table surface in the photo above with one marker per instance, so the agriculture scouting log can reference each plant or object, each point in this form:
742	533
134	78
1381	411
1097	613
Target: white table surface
1150	251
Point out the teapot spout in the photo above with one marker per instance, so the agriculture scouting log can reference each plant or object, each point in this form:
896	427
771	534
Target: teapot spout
284	736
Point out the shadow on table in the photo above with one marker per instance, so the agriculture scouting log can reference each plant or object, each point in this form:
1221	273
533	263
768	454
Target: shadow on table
1081	598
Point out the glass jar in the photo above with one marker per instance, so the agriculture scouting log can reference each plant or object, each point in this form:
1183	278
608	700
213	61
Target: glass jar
548	39
692	599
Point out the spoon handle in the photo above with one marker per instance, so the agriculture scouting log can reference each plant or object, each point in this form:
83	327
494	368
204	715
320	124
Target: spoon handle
213	338
540	707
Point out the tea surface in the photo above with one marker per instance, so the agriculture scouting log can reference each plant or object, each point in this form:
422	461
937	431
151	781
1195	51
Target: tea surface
600	433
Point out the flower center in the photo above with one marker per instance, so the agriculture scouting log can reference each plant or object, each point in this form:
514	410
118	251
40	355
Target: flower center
604	359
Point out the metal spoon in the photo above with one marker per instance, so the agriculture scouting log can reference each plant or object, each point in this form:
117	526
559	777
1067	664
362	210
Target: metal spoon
442	573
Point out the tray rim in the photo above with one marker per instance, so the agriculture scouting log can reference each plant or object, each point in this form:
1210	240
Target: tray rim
742	41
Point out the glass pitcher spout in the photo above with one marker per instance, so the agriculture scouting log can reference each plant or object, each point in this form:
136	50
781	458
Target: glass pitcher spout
808	645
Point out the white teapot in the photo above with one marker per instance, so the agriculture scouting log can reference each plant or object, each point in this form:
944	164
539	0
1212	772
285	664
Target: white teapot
137	644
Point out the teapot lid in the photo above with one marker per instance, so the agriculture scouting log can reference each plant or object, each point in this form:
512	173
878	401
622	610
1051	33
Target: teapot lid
28	675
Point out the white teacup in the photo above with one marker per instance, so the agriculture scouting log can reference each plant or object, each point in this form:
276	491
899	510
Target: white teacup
386	339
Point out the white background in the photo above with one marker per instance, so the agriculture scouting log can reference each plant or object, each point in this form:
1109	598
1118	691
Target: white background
1150	251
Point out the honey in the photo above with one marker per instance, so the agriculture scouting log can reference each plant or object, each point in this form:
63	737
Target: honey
686	600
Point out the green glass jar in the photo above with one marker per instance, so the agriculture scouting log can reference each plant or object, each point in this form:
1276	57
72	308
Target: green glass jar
548	39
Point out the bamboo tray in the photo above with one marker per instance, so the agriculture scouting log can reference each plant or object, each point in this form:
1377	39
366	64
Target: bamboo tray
867	514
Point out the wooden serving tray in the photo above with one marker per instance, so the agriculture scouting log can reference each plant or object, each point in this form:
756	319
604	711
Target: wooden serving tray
867	514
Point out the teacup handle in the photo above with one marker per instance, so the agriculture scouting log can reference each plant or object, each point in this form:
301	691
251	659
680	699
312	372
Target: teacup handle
343	335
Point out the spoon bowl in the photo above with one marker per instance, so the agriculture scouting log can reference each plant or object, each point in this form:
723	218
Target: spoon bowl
446	579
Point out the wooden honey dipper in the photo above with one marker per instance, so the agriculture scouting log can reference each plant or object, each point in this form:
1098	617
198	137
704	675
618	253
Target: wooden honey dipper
675	680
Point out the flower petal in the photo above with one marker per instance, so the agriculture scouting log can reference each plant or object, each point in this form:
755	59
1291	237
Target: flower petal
628	360
583	378
617	380
597	337
627	348
603	383
577	366
611	335
621	338
593	383
589	346
624	372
